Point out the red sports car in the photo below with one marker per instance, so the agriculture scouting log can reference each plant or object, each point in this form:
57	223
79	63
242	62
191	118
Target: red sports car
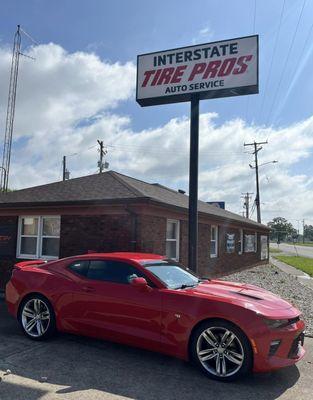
146	300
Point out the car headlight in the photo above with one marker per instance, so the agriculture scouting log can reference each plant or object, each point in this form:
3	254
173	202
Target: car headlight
276	323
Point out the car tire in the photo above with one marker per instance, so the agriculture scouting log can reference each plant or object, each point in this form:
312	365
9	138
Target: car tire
36	317
221	350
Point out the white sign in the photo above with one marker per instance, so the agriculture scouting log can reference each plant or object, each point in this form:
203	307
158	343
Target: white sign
264	247
219	69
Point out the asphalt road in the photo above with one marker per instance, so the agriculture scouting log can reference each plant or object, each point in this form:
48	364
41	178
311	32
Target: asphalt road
69	367
304	251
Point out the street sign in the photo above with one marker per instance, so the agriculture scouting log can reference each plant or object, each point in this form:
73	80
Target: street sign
205	71
211	70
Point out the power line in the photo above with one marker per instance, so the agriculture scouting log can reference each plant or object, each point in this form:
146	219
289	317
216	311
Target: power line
286	63
273	56
253	31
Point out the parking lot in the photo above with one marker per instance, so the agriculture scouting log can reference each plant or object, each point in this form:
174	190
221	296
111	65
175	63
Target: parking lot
70	367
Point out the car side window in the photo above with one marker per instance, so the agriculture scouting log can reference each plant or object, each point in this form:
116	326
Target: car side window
80	267
112	271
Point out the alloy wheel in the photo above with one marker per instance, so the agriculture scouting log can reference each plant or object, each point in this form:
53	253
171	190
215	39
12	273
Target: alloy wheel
220	351
35	317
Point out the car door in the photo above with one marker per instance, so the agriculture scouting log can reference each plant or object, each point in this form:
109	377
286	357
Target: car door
108	306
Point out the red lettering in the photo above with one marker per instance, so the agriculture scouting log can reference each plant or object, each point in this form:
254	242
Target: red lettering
212	69
147	75
166	76
156	77
197	69
242	64
179	72
227	66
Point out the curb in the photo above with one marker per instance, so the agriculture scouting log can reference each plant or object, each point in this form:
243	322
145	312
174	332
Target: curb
301	276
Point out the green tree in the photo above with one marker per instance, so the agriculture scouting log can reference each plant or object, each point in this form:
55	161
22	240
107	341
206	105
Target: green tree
281	229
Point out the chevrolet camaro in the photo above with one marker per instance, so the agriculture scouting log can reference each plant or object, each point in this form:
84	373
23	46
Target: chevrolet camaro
146	300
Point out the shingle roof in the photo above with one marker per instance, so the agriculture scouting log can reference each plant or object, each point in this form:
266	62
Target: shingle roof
108	187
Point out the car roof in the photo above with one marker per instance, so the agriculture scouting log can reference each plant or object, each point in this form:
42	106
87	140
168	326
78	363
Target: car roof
123	255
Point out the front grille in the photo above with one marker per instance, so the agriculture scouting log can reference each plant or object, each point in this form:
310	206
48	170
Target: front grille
295	347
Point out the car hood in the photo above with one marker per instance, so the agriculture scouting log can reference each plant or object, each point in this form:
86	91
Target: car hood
249	296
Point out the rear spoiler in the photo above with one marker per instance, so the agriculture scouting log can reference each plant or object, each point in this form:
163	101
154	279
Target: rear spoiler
29	263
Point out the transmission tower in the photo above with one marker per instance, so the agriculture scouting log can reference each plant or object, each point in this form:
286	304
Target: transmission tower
6	156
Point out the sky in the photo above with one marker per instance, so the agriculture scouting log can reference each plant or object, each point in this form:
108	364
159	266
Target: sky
80	87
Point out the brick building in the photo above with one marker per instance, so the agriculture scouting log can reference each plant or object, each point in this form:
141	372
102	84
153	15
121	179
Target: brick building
114	212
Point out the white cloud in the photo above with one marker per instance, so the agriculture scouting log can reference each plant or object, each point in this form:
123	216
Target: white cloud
203	35
68	101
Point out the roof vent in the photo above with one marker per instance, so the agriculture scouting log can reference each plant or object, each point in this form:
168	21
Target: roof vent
181	191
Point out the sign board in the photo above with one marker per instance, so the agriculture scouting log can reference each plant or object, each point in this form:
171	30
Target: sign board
230	242
249	243
211	70
264	247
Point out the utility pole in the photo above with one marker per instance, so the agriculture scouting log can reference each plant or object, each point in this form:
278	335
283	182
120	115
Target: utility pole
66	173
102	152
6	156
303	231
257	198
246	203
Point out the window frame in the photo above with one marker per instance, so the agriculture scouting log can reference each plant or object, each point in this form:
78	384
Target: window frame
39	237
177	239
241	250
215	240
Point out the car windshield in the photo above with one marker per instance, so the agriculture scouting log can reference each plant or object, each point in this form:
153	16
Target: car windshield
172	274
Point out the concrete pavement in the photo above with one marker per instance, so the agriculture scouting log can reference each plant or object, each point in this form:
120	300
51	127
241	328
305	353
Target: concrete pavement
304	251
69	367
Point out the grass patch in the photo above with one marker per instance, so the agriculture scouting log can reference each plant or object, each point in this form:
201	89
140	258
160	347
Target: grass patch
275	250
310	244
303	263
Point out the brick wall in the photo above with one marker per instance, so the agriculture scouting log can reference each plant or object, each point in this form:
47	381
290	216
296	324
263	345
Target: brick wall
225	263
146	233
7	258
101	233
151	234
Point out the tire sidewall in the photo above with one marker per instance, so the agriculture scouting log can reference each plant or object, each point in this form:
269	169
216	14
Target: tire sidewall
248	355
52	324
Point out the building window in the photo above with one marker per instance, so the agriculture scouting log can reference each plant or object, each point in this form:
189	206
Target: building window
172	239
214	241
38	237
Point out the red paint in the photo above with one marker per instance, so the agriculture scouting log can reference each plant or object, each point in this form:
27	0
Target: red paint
147	316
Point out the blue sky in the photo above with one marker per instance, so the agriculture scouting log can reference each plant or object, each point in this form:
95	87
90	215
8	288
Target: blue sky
117	31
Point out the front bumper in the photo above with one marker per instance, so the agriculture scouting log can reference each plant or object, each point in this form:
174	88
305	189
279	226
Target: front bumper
289	352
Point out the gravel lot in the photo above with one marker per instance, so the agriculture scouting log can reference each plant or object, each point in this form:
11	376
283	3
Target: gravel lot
282	284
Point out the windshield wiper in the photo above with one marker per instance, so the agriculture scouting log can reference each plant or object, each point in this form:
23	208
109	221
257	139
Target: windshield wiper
184	285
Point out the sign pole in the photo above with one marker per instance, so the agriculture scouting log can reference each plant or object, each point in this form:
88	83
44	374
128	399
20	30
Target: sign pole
193	185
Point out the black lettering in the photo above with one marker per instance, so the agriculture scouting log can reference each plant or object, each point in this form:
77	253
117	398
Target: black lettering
223	47
179	57
233	48
206	51
162	60
170	57
215	52
188	55
196	54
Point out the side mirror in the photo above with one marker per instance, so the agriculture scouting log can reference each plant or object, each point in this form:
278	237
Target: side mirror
140	283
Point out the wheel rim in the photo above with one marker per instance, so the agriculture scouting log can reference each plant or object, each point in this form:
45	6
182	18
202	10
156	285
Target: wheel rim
220	351
36	317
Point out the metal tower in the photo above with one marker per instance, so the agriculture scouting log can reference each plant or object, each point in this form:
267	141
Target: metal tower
6	157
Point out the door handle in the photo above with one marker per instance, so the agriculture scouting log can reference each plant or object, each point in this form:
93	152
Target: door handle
88	289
